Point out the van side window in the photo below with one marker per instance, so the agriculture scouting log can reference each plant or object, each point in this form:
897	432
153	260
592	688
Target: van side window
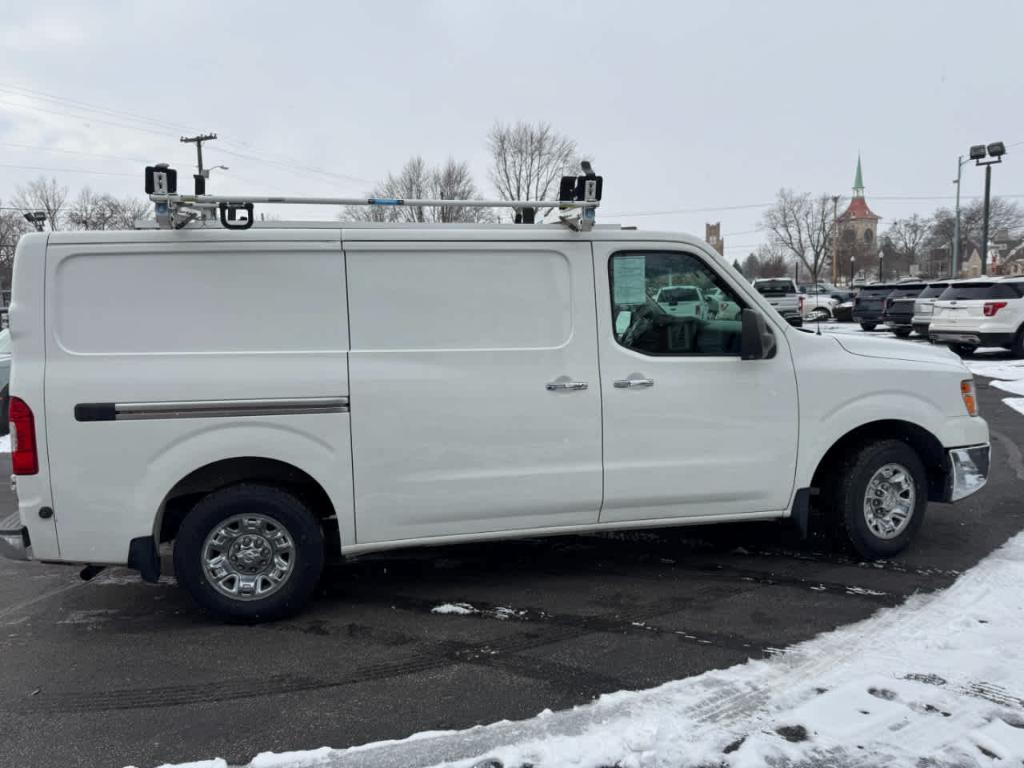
672	303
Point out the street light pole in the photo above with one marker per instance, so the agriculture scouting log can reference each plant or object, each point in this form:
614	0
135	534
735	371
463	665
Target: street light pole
835	239
995	150
881	255
852	261
984	226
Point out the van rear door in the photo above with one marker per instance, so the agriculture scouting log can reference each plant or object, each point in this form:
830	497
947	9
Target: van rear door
475	401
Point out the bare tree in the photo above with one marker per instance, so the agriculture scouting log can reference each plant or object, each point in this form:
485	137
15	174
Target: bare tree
802	226
92	211
771	260
43	195
12	227
451	181
1003	215
527	160
905	241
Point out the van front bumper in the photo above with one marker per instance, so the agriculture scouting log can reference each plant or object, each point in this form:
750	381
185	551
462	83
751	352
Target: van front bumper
968	471
14	541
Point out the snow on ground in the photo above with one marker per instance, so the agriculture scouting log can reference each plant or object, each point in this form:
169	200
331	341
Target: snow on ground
459	609
940	677
1008	376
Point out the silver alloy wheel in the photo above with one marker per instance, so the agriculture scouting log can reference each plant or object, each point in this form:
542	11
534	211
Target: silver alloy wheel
889	501
248	557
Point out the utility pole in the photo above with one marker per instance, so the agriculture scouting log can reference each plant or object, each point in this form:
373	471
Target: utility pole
835	239
200	177
956	224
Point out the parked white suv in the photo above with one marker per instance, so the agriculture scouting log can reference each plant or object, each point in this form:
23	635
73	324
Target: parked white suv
431	384
982	312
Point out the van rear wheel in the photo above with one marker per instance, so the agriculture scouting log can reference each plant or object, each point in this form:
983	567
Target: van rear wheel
249	553
878	497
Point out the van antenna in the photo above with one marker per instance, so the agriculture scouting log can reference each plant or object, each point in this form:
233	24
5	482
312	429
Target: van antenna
578	200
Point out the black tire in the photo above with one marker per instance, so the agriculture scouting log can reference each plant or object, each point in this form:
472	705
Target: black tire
1017	350
868	326
846	496
285	511
5	402
964	350
902	333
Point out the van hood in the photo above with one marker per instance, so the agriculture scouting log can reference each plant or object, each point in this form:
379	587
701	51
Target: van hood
893	349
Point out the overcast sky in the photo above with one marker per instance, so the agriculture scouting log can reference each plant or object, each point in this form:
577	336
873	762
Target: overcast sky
682	105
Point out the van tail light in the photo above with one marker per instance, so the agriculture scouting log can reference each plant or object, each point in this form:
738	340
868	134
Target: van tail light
24	456
991	307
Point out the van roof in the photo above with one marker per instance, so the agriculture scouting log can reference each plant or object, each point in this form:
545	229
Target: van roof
368	231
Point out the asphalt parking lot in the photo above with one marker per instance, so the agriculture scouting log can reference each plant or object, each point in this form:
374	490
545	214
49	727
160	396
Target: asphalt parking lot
115	672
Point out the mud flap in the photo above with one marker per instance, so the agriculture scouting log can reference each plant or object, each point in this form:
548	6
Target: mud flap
144	557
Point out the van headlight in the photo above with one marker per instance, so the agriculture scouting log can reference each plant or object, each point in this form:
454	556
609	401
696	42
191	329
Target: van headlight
967	393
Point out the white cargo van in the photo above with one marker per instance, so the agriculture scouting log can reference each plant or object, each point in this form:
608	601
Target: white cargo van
268	399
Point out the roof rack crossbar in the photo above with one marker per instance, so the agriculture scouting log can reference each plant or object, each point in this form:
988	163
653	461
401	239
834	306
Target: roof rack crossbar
174	211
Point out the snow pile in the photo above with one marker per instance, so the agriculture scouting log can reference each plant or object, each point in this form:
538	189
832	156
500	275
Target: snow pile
940	677
459	609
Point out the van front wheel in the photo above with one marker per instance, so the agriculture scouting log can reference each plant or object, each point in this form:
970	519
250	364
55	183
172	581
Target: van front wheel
249	553
879	497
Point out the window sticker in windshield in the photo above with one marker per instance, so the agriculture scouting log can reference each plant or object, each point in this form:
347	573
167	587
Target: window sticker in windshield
630	279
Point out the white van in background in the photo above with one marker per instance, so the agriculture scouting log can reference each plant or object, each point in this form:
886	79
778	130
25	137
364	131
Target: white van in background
328	391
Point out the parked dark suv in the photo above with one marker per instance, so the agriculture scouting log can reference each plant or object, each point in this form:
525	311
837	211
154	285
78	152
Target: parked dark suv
869	305
898	313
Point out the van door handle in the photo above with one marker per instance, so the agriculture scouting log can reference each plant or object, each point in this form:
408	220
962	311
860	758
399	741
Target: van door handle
564	384
639	383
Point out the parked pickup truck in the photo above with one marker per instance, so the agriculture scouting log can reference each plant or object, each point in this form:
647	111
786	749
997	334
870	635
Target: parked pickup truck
782	294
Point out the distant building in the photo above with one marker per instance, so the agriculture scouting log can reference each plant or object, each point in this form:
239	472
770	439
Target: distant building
713	237
857	229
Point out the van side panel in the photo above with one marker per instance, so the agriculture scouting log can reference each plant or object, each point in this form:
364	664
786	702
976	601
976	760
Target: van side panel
160	329
28	363
455	427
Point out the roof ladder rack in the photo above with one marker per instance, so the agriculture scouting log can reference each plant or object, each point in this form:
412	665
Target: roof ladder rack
579	198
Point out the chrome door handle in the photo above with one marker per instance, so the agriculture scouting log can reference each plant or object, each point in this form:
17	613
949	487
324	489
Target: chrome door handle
633	383
562	386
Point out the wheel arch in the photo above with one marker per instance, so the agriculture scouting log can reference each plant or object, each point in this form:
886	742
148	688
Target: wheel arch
180	499
927	446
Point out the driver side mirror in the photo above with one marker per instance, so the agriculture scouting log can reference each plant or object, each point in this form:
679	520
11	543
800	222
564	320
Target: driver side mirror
756	341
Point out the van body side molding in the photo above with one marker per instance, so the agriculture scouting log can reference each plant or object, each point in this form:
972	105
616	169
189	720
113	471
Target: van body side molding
207	409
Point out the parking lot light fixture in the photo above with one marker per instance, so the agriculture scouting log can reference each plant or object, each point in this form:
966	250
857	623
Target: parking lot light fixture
881	256
853	260
36	219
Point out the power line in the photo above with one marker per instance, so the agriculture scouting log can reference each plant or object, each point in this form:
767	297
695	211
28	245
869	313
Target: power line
66	170
287	163
74	152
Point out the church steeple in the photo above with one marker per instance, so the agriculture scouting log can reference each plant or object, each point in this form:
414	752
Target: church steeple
858	181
